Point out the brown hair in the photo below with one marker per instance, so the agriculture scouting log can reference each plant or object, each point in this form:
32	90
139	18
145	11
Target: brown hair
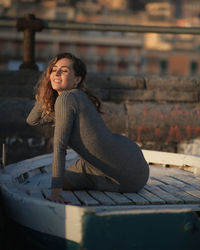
46	95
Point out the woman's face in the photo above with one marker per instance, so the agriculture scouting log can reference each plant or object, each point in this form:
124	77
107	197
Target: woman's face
63	77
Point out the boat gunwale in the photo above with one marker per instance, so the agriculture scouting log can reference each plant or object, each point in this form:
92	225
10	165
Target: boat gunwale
151	156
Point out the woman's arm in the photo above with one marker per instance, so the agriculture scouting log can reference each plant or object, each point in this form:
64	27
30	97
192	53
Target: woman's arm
35	117
65	113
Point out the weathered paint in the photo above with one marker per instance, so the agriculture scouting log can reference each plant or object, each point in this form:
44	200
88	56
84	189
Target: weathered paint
179	230
172	133
142	231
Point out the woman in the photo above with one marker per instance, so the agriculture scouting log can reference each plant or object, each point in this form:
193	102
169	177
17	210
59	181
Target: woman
109	162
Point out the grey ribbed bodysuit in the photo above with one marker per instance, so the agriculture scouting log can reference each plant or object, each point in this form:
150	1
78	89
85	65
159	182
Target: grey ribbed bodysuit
110	162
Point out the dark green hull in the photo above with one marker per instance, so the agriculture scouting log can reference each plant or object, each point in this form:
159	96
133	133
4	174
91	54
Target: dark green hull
179	230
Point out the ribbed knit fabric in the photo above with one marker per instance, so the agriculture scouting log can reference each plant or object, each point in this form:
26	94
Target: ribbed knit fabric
80	126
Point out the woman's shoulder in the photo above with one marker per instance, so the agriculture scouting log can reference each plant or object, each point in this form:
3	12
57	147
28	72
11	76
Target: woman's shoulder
66	94
70	93
64	97
78	94
70	96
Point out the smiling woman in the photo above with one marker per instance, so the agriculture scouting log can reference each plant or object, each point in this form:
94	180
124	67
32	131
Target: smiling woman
63	77
108	162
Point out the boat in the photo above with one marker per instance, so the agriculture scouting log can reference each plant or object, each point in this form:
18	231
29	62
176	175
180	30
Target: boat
165	214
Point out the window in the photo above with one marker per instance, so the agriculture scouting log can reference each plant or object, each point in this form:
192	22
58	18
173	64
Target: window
193	68
163	67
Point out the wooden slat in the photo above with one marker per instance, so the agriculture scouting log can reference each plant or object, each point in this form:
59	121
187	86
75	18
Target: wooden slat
85	198
167	197
152	198
187	187
174	181
69	196
153	181
101	197
187	198
159	171
118	198
191	190
171	181
189	180
136	198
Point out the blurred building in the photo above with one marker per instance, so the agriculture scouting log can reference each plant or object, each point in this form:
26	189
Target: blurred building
169	54
110	52
160	11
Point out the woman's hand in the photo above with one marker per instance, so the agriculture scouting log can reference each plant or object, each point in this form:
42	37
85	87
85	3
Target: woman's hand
57	198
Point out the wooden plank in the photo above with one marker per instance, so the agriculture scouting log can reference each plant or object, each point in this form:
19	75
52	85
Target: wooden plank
191	180
167	197
152	198
101	197
187	198
85	198
119	198
191	190
136	198
171	181
181	185
158	171
69	196
153	181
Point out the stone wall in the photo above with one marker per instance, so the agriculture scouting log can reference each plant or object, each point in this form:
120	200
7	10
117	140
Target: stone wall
157	113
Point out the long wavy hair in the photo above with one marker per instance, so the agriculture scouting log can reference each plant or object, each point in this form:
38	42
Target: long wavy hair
46	95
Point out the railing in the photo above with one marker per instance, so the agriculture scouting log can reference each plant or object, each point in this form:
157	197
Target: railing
30	25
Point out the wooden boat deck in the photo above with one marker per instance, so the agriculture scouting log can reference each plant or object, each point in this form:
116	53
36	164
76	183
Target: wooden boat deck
168	186
165	186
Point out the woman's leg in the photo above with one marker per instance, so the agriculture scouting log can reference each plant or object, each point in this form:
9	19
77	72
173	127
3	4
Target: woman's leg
83	175
76	177
67	185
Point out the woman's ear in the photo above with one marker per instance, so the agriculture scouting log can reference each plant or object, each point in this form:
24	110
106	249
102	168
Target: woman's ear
77	80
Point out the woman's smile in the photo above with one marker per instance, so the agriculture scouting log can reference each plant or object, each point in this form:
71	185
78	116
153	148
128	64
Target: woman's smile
57	80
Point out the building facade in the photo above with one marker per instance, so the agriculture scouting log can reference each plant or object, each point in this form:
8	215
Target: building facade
109	52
